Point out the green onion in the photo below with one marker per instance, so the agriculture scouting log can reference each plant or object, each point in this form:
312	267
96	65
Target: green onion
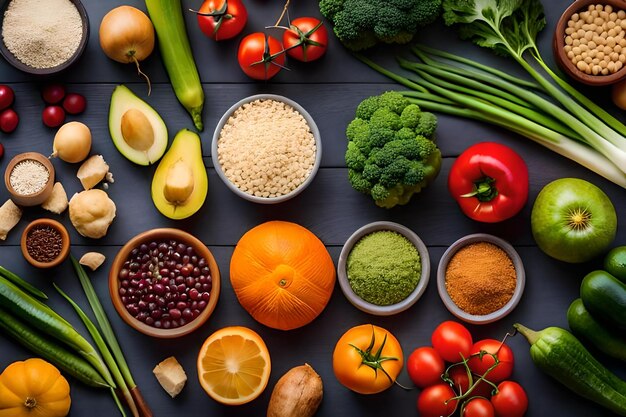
25	285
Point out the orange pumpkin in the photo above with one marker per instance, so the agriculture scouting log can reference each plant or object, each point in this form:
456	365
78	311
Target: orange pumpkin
282	274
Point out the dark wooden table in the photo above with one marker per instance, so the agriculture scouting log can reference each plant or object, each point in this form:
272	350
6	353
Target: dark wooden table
330	90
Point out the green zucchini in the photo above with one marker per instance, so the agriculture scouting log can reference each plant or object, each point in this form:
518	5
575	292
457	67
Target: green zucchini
169	24
48	349
605	297
584	325
558	353
37	314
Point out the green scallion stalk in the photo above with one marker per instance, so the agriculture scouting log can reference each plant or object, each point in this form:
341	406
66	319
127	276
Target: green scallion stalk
25	285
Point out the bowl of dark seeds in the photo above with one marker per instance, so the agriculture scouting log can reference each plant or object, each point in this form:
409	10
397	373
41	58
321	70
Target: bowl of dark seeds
45	243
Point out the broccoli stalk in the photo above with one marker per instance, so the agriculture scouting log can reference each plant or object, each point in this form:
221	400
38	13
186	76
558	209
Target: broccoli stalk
391	154
361	24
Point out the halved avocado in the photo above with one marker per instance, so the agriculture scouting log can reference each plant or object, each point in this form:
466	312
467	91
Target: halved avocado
137	130
180	183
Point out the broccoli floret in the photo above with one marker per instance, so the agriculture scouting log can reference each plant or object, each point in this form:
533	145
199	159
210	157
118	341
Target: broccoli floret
427	124
361	24
387	159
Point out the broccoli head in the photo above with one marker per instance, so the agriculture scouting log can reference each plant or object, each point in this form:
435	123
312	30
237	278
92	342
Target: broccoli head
361	24
391	154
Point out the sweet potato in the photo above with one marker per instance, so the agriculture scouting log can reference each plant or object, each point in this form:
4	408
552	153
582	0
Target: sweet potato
298	393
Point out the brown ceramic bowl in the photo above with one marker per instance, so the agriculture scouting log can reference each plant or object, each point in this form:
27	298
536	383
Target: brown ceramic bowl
559	43
11	59
29	199
65	246
163	235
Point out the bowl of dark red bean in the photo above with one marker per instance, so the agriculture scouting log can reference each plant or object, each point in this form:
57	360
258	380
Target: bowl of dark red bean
45	243
164	283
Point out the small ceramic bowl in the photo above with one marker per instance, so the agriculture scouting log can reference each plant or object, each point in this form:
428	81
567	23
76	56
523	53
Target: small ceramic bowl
11	59
558	45
233	187
519	286
164	234
65	245
34	199
366	306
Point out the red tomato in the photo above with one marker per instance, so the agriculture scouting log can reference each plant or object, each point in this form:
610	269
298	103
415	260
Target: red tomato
460	379
510	400
306	39
53	93
74	103
6	96
222	19
53	116
8	120
479	365
452	340
478	407
432	401
260	56
425	366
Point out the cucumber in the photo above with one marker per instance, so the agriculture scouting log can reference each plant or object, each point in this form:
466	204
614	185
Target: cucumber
167	17
34	341
584	325
559	354
605	297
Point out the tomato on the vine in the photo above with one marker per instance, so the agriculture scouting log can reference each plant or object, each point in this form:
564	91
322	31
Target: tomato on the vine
436	401
306	39
460	380
425	366
510	400
367	359
452	341
481	364
478	407
260	56
222	19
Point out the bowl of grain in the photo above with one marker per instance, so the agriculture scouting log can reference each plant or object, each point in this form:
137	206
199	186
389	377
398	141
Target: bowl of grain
43	39
45	243
589	41
266	148
480	278
383	268
29	178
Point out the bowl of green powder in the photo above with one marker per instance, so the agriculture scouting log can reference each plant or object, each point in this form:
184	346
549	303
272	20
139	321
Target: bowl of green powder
383	268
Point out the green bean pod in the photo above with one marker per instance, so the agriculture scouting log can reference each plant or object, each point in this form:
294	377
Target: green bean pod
37	314
48	349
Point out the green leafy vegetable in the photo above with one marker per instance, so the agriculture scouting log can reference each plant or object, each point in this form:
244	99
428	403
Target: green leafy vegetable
361	24
391	154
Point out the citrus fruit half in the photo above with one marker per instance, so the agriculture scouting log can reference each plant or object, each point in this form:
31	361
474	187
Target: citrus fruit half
234	365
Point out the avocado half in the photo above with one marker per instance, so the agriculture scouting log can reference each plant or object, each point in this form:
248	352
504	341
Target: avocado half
180	183
137	130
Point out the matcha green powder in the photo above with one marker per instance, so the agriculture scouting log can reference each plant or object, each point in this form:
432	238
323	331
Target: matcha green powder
383	268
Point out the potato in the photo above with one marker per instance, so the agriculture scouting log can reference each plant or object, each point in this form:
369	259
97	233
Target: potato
298	393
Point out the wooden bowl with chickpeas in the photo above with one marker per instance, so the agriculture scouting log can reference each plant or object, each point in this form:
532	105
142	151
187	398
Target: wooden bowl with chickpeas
590	41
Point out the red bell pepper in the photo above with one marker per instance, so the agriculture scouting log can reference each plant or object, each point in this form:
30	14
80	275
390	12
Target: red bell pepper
489	181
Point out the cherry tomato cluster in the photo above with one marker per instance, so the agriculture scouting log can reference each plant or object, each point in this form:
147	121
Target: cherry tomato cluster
58	103
458	374
262	56
8	117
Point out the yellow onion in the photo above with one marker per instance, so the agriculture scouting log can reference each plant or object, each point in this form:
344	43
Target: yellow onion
127	36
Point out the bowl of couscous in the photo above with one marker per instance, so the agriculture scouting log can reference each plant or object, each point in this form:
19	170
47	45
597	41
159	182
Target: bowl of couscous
266	148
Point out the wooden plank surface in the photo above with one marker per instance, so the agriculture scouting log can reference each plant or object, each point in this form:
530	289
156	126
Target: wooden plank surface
329	90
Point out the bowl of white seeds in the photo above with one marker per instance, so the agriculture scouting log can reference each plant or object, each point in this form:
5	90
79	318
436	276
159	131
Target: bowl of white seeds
266	148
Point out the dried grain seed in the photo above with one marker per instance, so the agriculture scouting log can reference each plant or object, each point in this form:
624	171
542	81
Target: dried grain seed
595	61
598	21
622	58
613	17
614	56
610	25
618	66
621	14
611	67
588	60
599	8
28	177
582	65
606	50
608	8
575	17
576	42
594	13
595	70
588	35
604	15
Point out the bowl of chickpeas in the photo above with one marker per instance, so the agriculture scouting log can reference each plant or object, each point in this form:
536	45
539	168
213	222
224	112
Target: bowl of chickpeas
590	41
266	148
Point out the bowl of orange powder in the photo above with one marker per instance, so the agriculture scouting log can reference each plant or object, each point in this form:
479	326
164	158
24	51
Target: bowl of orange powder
480	278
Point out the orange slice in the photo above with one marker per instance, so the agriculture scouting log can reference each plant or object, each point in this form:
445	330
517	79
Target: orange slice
234	365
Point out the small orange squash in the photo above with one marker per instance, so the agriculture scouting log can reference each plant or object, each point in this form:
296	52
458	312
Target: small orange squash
282	274
33	387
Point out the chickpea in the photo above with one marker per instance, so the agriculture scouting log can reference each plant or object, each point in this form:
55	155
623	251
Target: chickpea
621	14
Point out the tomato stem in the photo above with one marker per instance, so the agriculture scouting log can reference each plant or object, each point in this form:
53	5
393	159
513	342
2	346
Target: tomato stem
217	15
484	190
375	360
283	13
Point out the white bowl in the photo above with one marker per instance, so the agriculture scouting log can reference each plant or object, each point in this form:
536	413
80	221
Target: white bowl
366	306
237	190
519	286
